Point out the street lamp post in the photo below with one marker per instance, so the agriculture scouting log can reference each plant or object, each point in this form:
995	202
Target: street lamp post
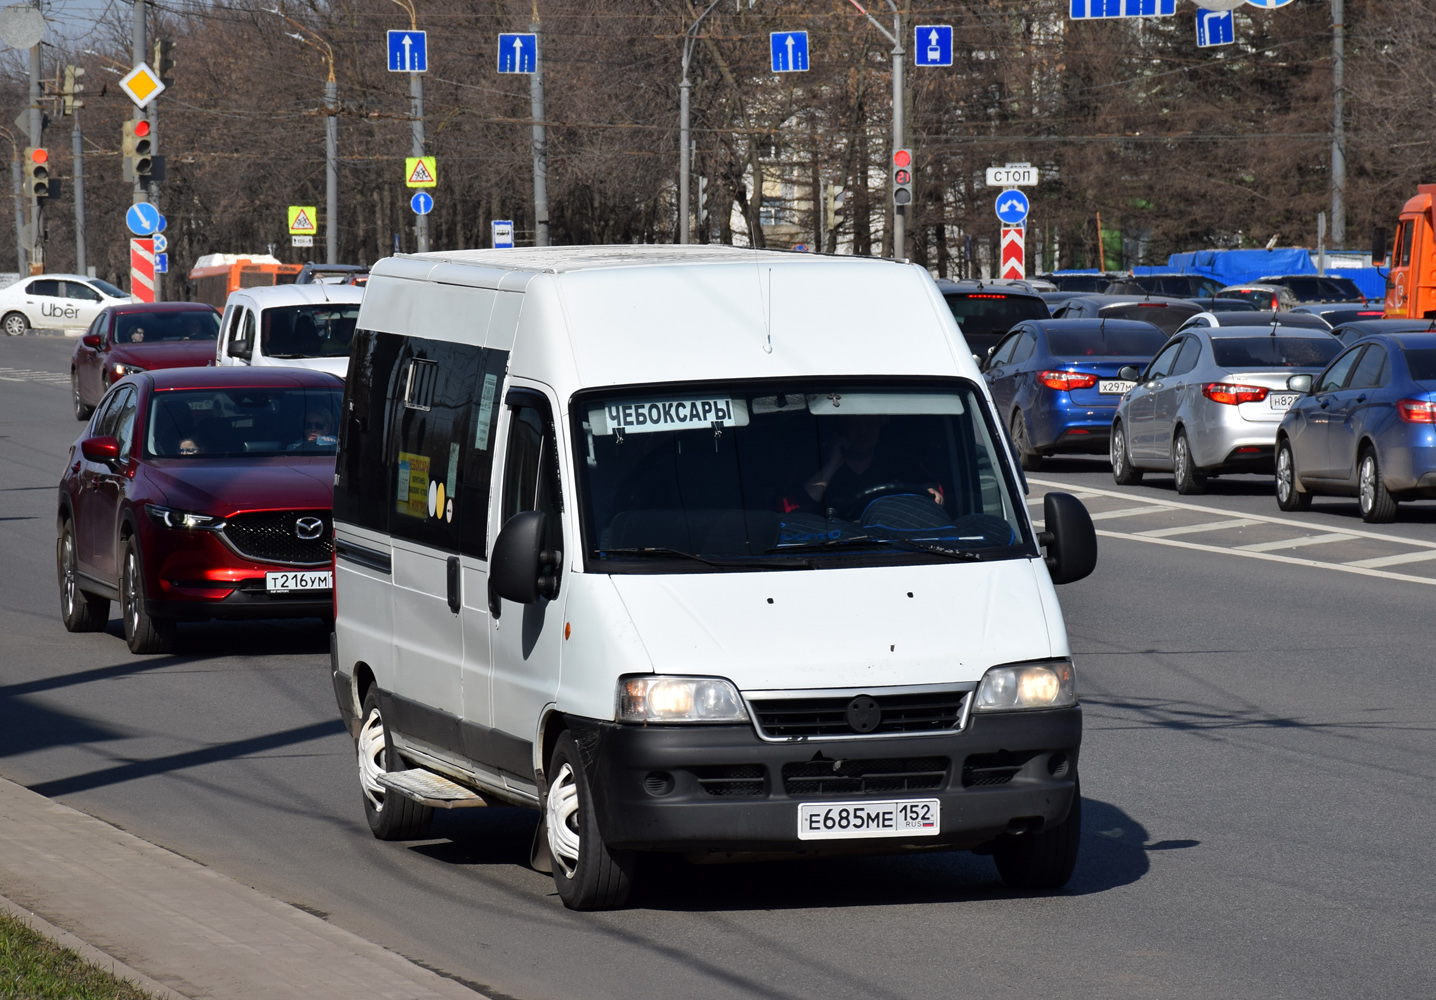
690	38
331	140
899	56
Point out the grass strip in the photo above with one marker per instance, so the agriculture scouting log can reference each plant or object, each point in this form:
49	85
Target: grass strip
32	967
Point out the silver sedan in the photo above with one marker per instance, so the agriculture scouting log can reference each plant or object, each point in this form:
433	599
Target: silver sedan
1210	402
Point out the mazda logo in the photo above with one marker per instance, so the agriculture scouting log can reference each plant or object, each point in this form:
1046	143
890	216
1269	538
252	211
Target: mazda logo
308	529
864	715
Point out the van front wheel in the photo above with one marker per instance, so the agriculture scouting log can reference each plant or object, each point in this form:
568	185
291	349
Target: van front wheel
1045	859
589	875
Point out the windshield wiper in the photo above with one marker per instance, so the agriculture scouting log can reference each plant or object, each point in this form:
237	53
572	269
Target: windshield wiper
660	551
910	543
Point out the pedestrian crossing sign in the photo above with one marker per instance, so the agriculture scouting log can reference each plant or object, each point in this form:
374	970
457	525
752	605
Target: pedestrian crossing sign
303	220
420	172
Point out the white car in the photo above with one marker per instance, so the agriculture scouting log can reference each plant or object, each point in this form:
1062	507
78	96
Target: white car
68	302
293	326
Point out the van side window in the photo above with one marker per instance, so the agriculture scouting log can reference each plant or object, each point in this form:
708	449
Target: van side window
361	485
483	442
531	465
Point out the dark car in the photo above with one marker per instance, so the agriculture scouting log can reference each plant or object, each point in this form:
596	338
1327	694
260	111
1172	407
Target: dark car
200	493
1218	304
1337	313
1319	288
1055	383
140	337
1163	312
1085	283
987	310
1350	332
1182	286
1364	427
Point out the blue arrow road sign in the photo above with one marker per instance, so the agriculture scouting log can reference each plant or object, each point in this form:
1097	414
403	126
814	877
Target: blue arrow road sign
932	44
408	52
789	50
1083	10
518	53
422	203
162	263
144	219
1214	27
1012	207
503	234
1268	4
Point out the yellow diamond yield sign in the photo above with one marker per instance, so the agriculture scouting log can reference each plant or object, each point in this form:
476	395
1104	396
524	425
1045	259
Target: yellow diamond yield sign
142	84
420	172
303	220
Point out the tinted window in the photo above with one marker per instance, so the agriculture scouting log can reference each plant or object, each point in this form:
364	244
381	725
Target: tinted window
531	467
1305	289
1406	230
149	328
1225	304
1105	342
1003	354
1162	363
210	423
361	490
1340	288
321	331
1187	359
993	313
1079	282
1372	370
1335	376
45	286
481	444
1026	344
103	424
124	431
108	288
1422	363
1163	316
1274	352
431	425
75	290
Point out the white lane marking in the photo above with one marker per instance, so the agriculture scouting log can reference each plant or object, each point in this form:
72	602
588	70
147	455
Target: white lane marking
1103	515
30	375
1285	522
1272	557
1192	529
1296	543
1036	501
1396	560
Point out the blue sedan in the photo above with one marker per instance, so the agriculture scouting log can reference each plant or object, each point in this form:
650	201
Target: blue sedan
1365	428
1055	381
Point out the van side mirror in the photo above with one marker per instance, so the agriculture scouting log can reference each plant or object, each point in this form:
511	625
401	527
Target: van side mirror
91	340
1129	374
104	450
1299	383
520	568
1069	538
240	349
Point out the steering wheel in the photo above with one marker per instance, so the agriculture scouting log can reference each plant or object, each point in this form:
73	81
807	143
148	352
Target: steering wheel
860	500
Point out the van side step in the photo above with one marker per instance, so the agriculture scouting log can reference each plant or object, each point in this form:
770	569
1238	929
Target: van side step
430	789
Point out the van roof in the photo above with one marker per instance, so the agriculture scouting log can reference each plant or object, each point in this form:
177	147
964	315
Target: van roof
270	296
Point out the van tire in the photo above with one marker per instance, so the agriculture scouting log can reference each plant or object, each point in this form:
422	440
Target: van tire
391	816
1123	472
1188	478
1042	860
588	873
1030	460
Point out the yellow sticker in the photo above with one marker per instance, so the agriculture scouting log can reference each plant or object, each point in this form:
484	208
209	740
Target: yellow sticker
439	501
412	495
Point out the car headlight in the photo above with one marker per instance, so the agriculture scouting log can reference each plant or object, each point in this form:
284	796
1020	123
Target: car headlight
121	369
1018	686
679	699
182	519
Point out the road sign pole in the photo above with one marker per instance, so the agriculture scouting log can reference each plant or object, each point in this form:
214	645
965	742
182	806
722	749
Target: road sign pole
331	170
899	129
77	151
416	93
137	43
37	129
685	144
19	186
540	139
1338	126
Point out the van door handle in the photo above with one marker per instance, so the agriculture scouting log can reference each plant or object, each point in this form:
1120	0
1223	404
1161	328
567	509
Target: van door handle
453	575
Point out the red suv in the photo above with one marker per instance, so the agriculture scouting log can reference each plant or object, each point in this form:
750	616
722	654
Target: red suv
199	493
140	337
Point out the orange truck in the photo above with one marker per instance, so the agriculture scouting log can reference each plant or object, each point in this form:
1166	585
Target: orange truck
1411	280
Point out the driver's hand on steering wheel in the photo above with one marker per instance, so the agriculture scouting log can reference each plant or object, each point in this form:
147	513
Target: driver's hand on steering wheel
936	493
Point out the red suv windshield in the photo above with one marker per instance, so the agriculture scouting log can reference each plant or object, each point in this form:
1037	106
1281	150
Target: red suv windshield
211	423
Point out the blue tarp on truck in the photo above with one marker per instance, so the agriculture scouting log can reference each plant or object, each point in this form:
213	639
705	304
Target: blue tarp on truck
1233	267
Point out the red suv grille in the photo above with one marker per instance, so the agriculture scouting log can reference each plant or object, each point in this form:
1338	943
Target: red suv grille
272	536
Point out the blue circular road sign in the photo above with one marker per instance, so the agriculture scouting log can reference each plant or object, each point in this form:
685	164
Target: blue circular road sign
144	219
422	203
1012	207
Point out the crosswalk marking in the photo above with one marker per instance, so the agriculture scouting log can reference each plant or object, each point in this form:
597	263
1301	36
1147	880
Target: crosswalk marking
1296	543
1191	529
1396	560
31	375
1103	515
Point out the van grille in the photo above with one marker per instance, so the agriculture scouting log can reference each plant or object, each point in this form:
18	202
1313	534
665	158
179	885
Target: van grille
793	718
730	779
993	768
268	536
865	777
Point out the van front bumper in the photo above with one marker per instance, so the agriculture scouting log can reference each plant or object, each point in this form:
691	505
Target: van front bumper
722	789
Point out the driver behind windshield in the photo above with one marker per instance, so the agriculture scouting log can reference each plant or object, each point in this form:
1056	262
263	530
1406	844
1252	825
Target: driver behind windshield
859	463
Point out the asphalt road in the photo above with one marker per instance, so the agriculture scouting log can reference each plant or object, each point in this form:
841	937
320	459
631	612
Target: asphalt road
1257	766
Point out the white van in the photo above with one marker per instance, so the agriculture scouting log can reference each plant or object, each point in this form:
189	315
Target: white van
700	550
294	326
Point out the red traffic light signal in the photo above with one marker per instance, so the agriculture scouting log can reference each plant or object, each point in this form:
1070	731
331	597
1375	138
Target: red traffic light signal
142	128
39	156
902	158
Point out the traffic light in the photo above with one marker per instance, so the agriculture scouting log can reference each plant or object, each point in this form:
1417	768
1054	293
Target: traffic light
137	147
164	61
37	172
72	87
902	177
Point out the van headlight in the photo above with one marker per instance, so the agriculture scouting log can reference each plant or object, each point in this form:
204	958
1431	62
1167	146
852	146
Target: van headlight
659	698
1017	686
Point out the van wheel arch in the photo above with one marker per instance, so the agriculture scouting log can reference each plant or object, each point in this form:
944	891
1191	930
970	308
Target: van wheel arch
361	680
551	728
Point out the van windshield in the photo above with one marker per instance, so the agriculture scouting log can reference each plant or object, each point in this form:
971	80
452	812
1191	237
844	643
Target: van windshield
322	331
705	478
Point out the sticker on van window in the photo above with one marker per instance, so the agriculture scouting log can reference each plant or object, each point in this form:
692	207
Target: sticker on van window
652	416
412	496
486	412
451	479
